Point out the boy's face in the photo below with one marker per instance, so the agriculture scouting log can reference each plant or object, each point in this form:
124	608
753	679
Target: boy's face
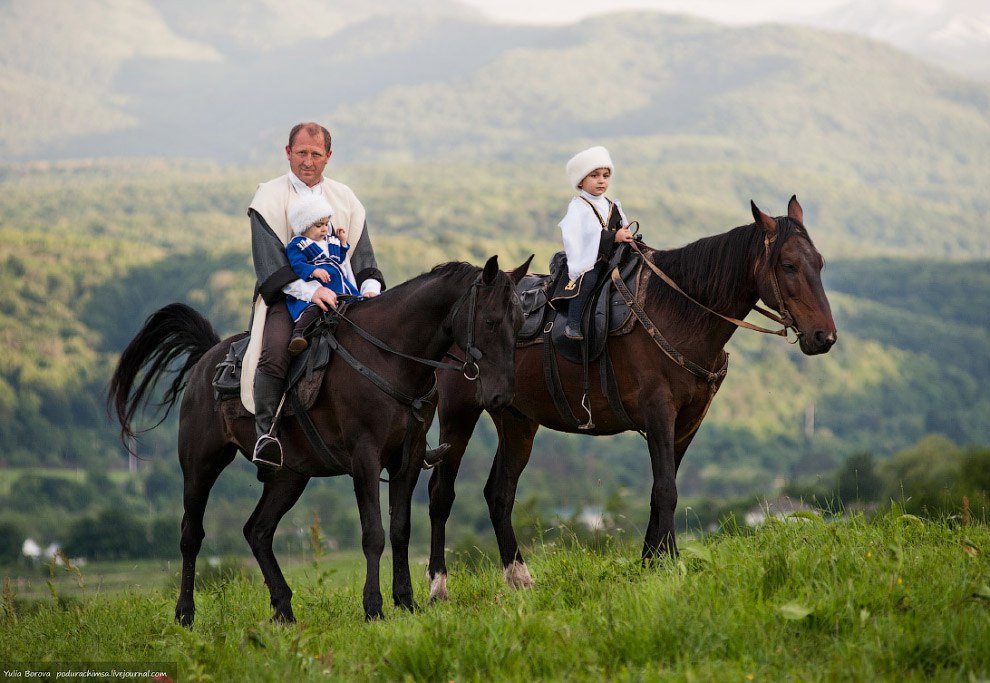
596	182
318	230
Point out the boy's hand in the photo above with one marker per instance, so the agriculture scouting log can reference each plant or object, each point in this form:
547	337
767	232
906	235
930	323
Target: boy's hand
321	275
341	233
623	235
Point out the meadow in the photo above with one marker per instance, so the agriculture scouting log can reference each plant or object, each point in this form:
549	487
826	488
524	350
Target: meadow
894	598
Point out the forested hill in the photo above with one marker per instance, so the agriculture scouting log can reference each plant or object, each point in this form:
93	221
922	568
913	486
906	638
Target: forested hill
83	267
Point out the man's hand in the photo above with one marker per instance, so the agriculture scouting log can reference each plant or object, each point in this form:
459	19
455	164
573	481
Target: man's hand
325	298
321	275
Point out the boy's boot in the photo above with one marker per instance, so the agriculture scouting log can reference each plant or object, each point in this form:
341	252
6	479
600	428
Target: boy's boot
298	342
575	314
267	451
434	456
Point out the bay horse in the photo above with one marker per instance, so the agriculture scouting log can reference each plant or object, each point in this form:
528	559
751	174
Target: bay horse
772	259
364	425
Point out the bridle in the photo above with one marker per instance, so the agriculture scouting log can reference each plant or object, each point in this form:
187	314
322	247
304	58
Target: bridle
782	316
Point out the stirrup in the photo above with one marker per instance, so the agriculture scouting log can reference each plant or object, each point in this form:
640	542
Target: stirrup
265	451
434	456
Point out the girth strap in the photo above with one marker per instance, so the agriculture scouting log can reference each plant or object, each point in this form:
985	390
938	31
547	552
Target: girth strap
330	460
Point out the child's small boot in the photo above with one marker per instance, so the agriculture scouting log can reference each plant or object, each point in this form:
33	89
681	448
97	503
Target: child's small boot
298	343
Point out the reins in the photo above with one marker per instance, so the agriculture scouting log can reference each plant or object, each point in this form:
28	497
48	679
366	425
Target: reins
712	377
783	319
469	367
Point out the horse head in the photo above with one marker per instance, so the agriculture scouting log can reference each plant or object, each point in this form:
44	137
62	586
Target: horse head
789	278
486	329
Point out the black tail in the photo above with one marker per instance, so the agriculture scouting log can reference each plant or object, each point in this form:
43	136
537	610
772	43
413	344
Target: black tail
167	334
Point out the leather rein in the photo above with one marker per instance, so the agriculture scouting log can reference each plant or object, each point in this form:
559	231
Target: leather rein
783	318
469	367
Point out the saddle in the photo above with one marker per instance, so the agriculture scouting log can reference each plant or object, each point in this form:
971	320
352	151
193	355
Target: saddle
544	304
305	370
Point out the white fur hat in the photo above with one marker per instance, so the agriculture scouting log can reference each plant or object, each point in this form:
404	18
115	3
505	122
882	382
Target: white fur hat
307	210
583	163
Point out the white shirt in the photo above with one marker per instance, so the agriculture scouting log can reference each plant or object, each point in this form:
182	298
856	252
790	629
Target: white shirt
581	231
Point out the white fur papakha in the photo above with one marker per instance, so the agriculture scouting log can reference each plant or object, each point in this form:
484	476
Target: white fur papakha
307	210
583	163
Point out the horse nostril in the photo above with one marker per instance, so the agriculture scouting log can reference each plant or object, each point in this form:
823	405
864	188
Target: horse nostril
823	338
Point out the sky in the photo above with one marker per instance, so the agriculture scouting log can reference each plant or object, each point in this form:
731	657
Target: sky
726	11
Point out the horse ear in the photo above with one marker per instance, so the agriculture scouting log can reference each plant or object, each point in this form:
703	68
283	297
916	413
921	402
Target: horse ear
519	273
794	210
491	270
768	224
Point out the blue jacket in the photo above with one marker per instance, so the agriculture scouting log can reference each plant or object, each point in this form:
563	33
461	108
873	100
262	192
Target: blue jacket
305	256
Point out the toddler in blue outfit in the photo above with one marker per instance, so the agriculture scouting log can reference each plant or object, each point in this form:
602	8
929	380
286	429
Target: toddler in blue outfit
318	256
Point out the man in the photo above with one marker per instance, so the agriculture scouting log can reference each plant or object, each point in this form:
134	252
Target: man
308	152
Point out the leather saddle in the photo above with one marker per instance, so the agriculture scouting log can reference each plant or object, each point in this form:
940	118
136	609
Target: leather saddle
545	311
305	370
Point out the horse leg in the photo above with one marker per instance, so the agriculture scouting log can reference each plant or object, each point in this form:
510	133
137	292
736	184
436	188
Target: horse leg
456	427
280	494
366	474
515	443
201	465
400	491
664	460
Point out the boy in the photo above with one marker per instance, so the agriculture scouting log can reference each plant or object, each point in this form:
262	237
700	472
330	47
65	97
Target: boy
590	229
317	257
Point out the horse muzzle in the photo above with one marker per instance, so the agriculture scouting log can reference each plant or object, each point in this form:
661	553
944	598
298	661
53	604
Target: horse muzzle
817	342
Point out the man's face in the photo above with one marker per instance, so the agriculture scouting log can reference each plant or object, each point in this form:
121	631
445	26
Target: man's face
308	157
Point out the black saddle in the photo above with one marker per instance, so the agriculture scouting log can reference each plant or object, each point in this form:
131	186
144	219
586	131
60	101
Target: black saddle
303	369
545	310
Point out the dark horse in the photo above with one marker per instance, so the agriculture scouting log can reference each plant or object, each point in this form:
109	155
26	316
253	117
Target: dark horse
771	259
455	302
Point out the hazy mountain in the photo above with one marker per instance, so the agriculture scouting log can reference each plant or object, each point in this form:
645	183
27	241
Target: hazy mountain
953	33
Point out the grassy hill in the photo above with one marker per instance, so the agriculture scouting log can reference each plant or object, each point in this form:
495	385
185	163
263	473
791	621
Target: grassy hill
803	600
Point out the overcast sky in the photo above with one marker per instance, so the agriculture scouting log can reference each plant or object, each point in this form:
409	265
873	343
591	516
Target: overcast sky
728	11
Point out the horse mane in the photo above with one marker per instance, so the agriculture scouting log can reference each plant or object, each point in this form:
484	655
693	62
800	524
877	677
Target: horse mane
458	269
713	269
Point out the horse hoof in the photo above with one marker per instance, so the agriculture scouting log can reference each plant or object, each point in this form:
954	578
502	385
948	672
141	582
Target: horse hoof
279	618
438	588
517	576
185	619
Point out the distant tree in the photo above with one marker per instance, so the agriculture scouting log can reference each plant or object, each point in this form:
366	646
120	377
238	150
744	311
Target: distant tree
858	479
112	534
924	477
11	540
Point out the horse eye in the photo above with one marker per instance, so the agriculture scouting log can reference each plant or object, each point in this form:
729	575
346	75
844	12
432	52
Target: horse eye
789	267
489	323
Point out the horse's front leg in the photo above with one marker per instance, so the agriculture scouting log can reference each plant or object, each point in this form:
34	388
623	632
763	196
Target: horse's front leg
458	417
660	535
279	495
366	474
515	444
400	491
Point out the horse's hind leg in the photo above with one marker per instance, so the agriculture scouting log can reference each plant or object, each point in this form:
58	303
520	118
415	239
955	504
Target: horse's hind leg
280	494
201	464
515	443
457	423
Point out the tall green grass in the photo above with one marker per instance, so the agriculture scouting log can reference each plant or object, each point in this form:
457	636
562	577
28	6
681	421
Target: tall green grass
897	598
